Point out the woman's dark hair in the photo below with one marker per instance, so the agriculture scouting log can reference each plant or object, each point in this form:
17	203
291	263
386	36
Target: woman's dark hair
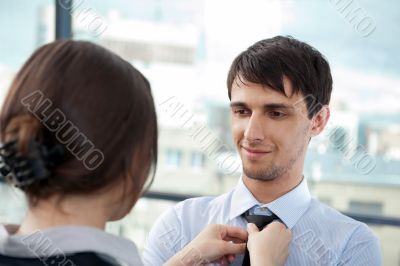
93	103
268	61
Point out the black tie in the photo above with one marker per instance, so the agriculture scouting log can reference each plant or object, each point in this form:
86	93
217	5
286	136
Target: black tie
260	221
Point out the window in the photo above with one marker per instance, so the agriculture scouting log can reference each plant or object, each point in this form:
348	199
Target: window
26	25
173	158
185	49
325	200
373	208
197	160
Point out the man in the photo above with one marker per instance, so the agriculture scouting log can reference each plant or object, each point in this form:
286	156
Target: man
280	91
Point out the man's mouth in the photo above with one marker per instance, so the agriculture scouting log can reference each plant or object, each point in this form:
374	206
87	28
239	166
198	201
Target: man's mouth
253	154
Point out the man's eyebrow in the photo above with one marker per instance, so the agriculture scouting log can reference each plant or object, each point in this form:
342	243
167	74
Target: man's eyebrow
278	106
238	104
266	106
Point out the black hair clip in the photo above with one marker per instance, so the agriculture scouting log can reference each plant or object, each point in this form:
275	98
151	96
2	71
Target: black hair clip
24	170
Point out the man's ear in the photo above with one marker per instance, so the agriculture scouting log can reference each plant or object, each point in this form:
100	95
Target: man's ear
320	120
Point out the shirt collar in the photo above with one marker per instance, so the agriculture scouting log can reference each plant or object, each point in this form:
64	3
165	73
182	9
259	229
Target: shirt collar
289	207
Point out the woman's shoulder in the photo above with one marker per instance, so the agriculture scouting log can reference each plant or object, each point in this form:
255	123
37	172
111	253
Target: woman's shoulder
6	230
69	240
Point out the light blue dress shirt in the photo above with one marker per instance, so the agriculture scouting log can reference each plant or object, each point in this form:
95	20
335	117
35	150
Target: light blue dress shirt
321	235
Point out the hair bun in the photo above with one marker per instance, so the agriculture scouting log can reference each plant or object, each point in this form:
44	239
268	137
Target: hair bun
23	128
35	165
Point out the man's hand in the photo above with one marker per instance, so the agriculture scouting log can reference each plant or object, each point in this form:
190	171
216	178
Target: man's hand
269	247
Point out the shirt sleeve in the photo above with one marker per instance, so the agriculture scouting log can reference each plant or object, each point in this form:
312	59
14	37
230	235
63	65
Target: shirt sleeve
362	249
164	240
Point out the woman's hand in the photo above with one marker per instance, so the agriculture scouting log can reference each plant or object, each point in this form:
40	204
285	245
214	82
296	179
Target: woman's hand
269	247
216	243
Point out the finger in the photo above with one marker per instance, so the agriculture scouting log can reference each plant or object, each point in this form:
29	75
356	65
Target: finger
252	228
276	226
224	261
231	258
278	223
220	261
235	240
231	248
288	235
236	232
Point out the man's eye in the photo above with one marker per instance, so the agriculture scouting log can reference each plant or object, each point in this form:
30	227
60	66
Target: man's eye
240	111
277	114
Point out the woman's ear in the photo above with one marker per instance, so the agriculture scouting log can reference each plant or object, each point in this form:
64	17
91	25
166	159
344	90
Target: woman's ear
320	120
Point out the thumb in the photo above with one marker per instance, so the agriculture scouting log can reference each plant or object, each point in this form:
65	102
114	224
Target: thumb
233	248
252	228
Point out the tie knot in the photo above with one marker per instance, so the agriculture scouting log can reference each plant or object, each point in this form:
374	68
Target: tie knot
260	220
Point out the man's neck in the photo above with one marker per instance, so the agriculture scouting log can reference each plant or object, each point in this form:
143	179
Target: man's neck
268	191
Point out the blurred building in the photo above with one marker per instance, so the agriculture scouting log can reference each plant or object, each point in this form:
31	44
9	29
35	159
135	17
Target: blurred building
185	48
381	134
183	166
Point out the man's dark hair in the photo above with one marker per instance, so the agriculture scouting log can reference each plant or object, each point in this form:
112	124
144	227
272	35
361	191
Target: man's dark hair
268	61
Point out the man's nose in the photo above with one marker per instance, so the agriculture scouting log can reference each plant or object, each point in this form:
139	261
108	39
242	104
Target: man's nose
254	129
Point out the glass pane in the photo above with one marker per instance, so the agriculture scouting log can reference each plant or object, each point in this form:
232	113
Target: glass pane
197	160
26	25
185	48
173	158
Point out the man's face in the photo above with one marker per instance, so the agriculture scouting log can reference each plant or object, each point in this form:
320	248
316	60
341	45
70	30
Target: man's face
271	131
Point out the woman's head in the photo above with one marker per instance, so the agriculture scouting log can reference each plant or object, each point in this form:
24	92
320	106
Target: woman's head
92	103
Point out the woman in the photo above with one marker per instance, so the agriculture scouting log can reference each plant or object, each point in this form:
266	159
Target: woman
79	136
